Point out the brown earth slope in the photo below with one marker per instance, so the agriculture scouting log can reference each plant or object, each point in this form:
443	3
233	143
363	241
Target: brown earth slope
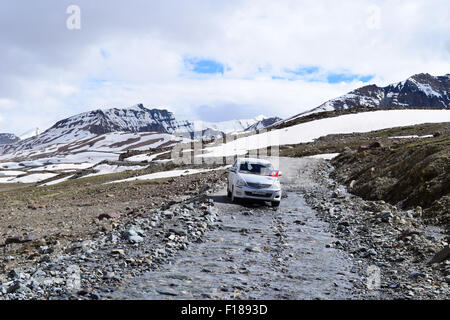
410	173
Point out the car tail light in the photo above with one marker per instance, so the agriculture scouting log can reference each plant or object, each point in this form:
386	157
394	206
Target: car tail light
274	173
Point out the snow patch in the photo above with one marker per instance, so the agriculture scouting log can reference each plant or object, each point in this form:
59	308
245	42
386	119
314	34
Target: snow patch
309	131
325	156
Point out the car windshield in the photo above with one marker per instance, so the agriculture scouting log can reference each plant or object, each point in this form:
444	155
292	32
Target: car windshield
263	169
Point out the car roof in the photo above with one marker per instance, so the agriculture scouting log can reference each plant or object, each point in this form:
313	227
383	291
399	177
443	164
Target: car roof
253	160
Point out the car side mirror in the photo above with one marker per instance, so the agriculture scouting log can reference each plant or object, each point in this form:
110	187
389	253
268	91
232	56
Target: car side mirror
232	170
280	173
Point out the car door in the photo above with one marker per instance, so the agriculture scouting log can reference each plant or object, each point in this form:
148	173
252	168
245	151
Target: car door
231	175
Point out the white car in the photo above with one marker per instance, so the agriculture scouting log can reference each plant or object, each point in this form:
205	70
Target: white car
251	178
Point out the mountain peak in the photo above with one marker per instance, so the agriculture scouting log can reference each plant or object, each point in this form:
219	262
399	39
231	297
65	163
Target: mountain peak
134	119
421	90
8	138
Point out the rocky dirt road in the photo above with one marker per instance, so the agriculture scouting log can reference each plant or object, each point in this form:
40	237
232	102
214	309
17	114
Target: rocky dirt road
319	244
255	251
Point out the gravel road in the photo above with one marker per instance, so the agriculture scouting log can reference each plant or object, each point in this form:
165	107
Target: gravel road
255	251
320	243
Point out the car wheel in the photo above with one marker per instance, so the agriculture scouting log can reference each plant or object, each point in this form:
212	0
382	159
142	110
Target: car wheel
233	198
275	203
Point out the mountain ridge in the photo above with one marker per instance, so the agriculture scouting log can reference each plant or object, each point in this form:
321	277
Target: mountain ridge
134	119
419	90
8	138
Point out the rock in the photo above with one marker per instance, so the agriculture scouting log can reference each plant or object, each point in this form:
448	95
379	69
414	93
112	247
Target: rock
107	215
46	250
375	145
135	239
253	249
386	214
118	251
167	291
179	232
15	274
415	275
407	233
171	237
29	238
394	285
16	239
108	275
370	252
447	279
133	235
362	148
94	296
14	287
84	291
441	255
112	238
168	214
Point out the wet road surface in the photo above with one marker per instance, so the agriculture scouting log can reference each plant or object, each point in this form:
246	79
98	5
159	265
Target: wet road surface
256	252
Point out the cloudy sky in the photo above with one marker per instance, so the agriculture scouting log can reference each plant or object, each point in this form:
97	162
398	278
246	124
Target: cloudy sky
211	60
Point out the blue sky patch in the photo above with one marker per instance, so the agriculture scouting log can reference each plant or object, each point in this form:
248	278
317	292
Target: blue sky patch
104	54
317	74
302	71
347	77
204	66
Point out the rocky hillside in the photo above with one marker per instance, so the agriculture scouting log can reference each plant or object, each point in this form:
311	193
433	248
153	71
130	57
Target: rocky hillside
8	138
412	172
419	91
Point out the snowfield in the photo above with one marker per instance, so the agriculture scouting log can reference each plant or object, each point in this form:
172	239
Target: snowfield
309	131
32	178
108	169
51	183
64	166
168	174
144	157
11	173
412	137
325	156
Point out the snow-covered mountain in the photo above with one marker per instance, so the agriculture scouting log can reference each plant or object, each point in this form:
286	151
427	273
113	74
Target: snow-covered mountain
136	119
8	138
93	148
419	91
206	130
263	123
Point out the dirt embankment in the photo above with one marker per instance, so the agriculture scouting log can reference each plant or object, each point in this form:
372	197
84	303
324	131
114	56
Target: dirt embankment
408	172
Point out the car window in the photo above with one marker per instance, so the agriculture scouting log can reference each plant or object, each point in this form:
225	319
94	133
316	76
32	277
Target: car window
255	168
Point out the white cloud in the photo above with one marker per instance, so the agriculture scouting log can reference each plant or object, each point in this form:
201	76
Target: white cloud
50	72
